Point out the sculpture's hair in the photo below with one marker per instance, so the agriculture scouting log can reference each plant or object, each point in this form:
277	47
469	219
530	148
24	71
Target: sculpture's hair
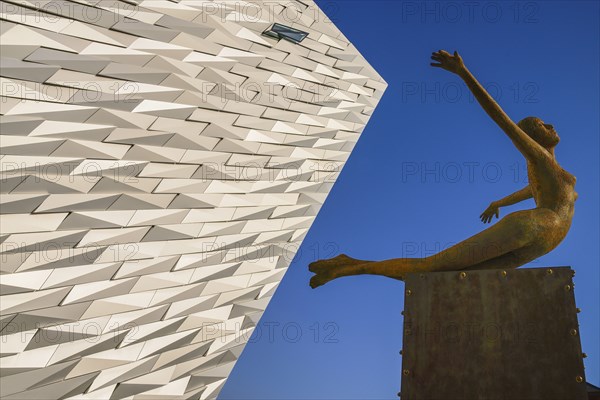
528	125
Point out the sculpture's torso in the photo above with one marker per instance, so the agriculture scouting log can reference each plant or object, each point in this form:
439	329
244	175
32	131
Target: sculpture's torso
553	189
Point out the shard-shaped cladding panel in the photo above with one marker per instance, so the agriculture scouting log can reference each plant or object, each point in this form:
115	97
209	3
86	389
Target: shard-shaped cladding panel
161	163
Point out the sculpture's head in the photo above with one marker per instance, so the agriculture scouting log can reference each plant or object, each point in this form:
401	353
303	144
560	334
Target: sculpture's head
544	134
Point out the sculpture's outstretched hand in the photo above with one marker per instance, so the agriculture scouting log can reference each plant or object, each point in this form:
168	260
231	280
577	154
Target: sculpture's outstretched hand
447	61
488	214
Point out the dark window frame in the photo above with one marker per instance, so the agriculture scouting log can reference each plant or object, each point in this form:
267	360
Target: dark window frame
280	31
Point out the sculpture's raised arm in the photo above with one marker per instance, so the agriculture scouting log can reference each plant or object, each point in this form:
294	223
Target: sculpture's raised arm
525	144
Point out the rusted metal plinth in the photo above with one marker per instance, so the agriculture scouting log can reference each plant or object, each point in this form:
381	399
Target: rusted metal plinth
492	335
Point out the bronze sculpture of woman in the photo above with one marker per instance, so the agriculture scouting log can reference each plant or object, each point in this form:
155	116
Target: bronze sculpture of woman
519	237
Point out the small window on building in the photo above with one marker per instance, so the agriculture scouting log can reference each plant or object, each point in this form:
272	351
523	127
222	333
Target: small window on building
279	31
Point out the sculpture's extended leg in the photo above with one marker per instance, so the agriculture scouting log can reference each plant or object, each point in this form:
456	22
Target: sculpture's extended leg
511	234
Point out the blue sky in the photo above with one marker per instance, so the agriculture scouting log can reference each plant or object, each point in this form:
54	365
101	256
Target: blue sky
426	166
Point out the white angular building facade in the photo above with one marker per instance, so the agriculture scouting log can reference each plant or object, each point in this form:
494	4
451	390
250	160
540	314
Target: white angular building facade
161	162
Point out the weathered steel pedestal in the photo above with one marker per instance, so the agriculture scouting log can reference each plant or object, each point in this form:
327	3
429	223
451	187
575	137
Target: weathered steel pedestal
492	335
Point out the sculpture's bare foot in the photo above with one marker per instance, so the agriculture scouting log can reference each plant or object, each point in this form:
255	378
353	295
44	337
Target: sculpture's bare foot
320	279
328	270
332	263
